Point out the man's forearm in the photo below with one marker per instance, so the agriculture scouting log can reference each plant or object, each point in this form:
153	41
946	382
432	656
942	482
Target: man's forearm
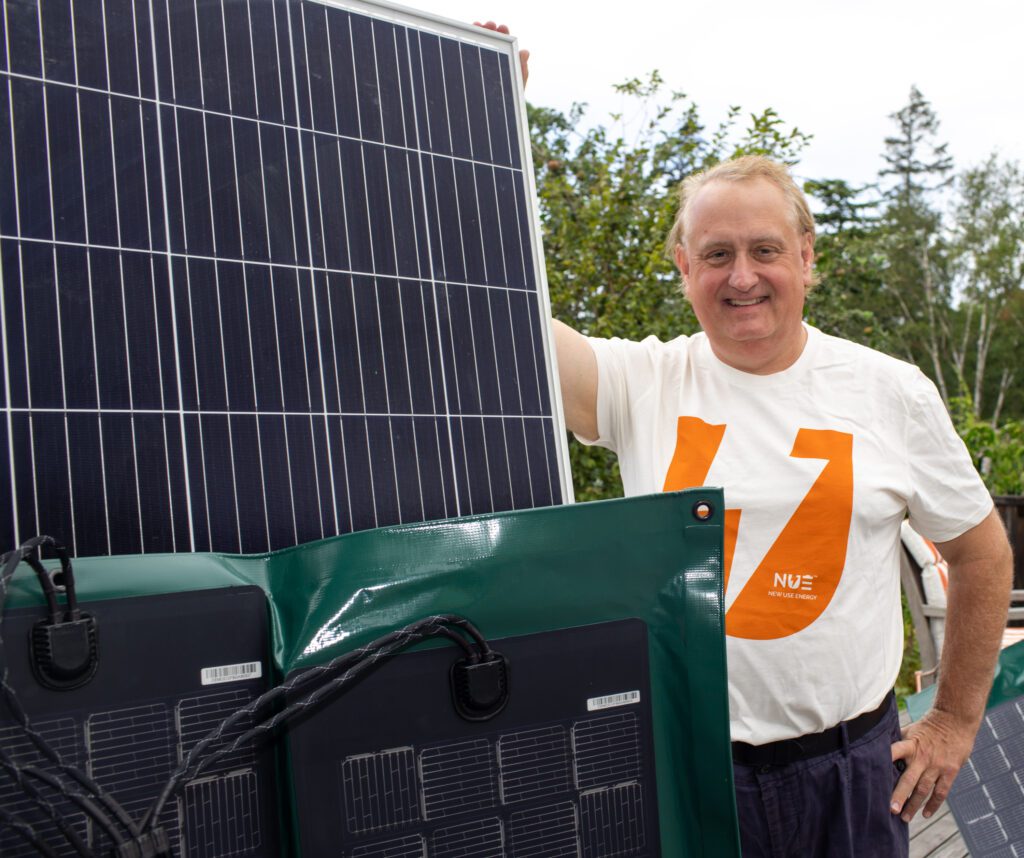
979	597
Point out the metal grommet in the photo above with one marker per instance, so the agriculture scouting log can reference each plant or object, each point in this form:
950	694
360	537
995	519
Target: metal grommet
703	510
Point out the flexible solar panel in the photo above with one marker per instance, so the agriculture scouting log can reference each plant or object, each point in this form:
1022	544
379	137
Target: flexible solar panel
567	768
987	798
270	273
141	714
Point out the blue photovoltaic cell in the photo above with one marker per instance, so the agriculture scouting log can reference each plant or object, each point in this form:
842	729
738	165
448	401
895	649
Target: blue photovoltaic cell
987	798
268	276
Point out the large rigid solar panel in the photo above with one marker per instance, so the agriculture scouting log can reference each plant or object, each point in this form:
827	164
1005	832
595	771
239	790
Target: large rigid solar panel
987	798
270	274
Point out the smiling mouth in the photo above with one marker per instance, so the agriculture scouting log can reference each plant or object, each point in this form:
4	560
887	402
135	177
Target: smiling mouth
746	302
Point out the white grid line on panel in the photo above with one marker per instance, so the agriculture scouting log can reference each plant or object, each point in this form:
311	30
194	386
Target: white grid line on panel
28	386
298	269
401	311
419	270
56	284
216	290
7	34
262	263
373	256
312	285
156	327
472	335
280	365
504	272
490	318
186	476
245	283
428	415
536	351
16	523
433	280
138	64
273	305
199	403
8	416
124	310
327	276
298	127
127	349
483	256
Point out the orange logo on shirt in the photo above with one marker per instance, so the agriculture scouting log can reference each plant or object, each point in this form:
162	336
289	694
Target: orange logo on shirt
797	578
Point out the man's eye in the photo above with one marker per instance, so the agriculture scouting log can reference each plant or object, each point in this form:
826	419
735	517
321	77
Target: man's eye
717	256
766	251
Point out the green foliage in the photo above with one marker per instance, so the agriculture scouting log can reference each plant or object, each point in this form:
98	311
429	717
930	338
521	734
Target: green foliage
606	205
997	451
848	264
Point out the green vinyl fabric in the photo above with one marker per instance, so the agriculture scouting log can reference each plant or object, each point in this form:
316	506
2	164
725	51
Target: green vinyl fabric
510	573
1007	684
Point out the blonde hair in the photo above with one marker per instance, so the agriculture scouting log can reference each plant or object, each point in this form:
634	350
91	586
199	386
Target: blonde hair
740	170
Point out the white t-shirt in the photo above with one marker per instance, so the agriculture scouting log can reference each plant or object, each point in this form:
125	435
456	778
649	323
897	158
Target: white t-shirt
820	463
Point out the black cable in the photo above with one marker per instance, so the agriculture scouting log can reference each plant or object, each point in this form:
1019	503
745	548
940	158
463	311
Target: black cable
354	664
10	564
83	801
26	831
16	774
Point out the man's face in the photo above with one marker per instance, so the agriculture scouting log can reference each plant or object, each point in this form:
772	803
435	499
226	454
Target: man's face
746	266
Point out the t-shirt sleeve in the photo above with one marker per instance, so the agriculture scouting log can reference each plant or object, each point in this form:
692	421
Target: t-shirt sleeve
624	368
947	497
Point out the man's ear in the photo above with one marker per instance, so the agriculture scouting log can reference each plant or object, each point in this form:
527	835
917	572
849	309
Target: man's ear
682	260
807	257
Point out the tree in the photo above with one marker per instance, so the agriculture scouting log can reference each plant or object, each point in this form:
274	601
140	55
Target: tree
988	242
848	264
916	273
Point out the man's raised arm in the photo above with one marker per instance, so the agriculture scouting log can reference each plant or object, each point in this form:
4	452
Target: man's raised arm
577	371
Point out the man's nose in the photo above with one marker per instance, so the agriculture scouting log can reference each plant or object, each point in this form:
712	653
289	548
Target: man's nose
743	275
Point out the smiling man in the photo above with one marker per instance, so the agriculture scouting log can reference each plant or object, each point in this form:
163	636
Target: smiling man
823	447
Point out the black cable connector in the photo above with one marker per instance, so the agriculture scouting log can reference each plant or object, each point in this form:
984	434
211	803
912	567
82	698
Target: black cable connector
152	844
480	690
64	654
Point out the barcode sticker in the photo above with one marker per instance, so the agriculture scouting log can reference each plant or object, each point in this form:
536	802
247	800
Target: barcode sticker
624	698
231	673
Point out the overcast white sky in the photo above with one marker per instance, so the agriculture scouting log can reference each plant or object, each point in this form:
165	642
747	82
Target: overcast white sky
834	69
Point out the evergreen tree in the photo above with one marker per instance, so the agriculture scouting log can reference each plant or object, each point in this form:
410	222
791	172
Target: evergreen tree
916	270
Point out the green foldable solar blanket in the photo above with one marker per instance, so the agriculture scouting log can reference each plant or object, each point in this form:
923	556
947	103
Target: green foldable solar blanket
589	717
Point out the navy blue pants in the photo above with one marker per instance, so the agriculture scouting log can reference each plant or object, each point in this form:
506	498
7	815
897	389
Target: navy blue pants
832	806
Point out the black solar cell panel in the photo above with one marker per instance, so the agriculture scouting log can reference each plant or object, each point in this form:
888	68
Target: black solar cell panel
268	275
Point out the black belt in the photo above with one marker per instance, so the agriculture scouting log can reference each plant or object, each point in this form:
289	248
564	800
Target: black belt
812	745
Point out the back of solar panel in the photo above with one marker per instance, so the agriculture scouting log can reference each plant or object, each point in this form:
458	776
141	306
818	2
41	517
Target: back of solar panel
270	273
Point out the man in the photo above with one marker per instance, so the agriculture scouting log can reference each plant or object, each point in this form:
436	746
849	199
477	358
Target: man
822	446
